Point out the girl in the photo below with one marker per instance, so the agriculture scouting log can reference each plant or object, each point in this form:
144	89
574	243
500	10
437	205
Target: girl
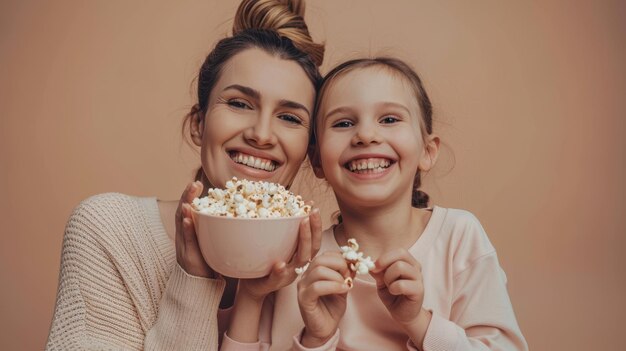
437	284
132	276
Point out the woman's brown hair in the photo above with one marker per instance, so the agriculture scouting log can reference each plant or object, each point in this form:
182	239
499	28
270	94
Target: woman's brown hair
275	26
419	198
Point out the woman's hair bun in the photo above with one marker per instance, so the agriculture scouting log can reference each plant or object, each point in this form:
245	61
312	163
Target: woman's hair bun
285	17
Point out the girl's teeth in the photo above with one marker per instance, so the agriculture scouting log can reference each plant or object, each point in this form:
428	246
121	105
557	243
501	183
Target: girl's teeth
368	166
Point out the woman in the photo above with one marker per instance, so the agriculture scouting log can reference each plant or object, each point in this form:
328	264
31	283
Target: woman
132	276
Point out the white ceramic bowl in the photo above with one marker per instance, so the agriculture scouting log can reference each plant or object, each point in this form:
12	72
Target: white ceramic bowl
245	247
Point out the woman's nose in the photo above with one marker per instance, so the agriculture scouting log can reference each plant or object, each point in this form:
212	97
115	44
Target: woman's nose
366	134
261	133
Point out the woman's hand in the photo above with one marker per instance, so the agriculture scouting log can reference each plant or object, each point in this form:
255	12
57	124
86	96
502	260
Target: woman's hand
400	287
322	293
246	315
283	274
188	253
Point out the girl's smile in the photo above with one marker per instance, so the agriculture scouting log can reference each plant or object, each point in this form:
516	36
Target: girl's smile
369	166
370	141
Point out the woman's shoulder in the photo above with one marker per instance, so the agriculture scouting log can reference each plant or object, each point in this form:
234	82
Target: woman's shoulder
109	205
109	216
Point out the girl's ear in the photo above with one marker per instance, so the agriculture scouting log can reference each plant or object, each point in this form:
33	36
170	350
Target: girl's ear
430	152
196	126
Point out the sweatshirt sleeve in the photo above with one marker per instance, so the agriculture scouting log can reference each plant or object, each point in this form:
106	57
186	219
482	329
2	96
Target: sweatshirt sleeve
330	345
99	303
187	318
482	316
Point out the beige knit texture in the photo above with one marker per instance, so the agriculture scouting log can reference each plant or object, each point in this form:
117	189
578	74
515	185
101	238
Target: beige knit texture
120	287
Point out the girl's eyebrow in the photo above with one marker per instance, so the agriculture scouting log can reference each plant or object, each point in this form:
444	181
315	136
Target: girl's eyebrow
255	94
344	109
341	109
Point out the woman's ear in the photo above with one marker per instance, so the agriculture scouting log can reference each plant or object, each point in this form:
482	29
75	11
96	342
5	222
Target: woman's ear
430	152
196	125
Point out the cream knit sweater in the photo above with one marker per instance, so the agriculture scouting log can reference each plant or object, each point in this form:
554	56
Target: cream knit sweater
120	287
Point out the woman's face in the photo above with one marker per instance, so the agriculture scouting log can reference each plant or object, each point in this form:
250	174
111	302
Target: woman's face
258	119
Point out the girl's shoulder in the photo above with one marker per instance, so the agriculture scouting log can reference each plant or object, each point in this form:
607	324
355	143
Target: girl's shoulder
462	232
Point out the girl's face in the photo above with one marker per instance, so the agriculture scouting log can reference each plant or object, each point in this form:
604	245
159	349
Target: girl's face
370	141
257	122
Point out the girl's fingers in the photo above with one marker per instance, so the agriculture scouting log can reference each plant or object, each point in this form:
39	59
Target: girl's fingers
388	258
322	288
320	273
407	288
333	261
400	270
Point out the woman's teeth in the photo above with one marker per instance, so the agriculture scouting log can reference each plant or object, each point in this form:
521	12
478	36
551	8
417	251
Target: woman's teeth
370	165
254	162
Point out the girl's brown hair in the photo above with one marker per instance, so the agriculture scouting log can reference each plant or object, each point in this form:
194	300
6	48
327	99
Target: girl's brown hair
275	26
419	198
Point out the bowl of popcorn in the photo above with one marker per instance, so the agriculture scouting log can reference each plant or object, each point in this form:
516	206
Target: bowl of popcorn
244	229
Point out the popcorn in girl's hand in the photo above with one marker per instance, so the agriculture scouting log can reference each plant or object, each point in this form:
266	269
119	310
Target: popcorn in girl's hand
358	263
350	253
250	199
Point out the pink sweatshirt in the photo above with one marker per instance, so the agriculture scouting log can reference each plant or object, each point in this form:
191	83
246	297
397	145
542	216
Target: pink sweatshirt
465	288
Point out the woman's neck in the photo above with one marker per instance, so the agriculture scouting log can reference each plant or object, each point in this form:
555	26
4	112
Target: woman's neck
378	230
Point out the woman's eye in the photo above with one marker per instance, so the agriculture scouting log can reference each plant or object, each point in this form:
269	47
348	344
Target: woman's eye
239	104
389	120
290	118
342	124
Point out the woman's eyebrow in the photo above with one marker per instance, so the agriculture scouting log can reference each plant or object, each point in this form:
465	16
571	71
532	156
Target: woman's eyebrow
245	90
255	94
293	104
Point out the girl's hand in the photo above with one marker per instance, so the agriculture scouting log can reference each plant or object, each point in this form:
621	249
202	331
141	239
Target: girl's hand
322	293
400	286
283	274
188	253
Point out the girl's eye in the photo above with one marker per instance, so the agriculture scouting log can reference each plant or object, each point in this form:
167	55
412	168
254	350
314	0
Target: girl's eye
239	104
290	118
389	120
343	124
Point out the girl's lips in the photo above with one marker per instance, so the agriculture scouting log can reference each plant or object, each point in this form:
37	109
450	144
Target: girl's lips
370	174
364	165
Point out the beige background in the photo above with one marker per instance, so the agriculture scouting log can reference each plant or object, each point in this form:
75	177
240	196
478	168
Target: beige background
530	97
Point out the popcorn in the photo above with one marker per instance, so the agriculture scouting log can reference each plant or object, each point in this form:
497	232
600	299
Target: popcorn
250	199
358	263
300	270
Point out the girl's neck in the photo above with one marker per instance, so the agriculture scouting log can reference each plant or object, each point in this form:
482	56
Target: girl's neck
378	230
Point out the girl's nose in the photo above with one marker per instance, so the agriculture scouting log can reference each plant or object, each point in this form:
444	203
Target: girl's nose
261	134
366	134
